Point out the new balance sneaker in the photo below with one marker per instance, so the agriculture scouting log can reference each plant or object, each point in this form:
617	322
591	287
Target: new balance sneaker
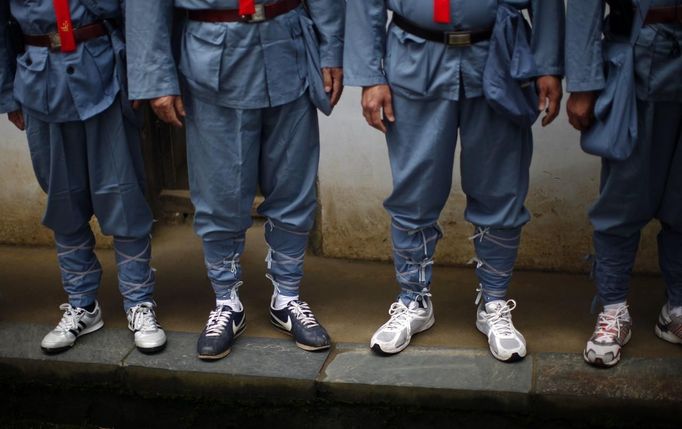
494	320
298	320
612	332
223	327
669	326
75	323
406	320
149	336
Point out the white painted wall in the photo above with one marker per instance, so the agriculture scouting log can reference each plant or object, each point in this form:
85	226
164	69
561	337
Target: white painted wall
355	178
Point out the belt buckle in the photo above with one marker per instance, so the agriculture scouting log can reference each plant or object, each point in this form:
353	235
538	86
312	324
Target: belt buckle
258	16
55	41
458	38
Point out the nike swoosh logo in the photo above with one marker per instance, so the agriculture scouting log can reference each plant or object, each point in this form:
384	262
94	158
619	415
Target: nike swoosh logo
235	327
286	325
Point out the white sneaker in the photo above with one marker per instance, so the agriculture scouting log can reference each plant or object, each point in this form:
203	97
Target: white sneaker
75	323
395	335
611	334
149	337
669	326
494	320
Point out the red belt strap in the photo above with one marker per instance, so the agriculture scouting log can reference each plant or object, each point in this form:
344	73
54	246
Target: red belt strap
64	25
441	11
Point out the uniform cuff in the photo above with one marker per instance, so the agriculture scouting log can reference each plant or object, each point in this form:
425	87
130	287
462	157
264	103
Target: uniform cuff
331	55
9	105
581	86
364	81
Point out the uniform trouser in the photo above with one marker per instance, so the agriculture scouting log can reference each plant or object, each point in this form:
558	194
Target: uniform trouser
232	152
495	162
646	186
87	168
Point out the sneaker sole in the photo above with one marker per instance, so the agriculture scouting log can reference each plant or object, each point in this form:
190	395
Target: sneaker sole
515	357
226	352
599	363
151	350
377	348
666	335
299	345
53	351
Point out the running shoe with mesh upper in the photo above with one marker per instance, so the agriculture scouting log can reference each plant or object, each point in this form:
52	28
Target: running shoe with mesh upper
222	329
406	320
149	336
669	326
494	320
611	334
75	323
298	320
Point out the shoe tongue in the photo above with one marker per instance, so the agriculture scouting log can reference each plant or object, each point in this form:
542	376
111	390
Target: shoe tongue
676	311
493	306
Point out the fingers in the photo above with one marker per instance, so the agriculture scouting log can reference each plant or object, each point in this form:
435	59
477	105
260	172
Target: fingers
542	97
337	85
327	79
180	107
553	108
388	108
165	109
17	118
137	104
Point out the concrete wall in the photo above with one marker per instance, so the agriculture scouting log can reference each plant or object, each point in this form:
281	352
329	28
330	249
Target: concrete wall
355	178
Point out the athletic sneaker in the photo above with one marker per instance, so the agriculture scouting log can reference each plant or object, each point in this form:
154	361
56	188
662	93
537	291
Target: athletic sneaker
298	320
75	323
149	336
406	320
223	327
669	326
495	321
612	332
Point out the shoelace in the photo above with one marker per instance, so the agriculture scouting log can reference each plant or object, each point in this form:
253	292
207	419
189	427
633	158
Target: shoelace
143	318
70	318
217	321
399	316
303	313
609	323
500	319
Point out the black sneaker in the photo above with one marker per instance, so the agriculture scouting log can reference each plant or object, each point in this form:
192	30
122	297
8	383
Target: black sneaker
298	320
223	327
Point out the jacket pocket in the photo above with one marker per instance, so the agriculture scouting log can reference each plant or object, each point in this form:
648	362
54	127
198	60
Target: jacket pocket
30	82
406	61
101	54
202	53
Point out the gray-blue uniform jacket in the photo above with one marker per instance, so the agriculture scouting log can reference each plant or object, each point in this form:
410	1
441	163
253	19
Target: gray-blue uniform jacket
56	86
236	68
657	67
436	71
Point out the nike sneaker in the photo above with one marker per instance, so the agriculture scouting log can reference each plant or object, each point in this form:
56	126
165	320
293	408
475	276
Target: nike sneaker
494	320
222	329
611	334
669	326
298	320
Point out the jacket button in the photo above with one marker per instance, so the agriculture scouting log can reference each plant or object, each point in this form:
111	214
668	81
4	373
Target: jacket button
70	70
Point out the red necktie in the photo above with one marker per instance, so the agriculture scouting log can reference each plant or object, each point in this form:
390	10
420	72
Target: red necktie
441	11
64	25
247	7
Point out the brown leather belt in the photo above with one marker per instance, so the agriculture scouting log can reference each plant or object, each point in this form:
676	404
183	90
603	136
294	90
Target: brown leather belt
451	38
664	15
264	12
81	34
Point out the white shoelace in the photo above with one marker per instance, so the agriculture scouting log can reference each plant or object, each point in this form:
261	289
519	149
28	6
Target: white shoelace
399	317
217	321
610	323
500	319
303	313
70	318
143	318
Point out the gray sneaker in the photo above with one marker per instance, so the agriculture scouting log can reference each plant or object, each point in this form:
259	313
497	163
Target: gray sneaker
395	335
494	320
149	337
75	323
669	326
611	334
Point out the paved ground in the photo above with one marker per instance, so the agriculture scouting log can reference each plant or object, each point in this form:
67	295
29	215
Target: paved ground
350	298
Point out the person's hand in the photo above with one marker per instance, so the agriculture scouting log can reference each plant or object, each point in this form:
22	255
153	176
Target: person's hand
17	118
377	105
580	108
333	83
549	93
170	109
137	104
